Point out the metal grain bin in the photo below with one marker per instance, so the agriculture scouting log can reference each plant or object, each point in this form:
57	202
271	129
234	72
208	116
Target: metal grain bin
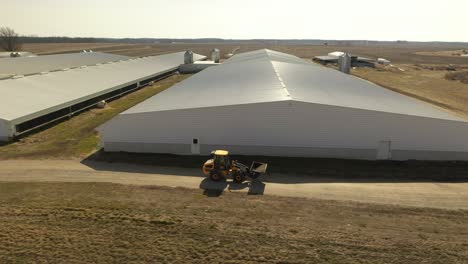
344	63
215	55
188	57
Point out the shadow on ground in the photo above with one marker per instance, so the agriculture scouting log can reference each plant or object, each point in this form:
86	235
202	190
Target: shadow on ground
129	167
215	189
289	170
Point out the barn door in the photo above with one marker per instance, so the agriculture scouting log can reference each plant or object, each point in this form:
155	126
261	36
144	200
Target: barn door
384	151
195	146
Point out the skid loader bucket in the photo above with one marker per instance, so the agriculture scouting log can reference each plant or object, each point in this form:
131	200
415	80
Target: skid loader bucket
258	167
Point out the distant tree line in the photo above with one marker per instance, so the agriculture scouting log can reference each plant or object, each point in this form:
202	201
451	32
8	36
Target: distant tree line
9	39
35	39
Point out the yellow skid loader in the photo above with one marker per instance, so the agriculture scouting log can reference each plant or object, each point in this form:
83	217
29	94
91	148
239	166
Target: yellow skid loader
220	166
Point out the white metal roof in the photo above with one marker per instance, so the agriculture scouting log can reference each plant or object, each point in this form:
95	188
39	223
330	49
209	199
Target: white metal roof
46	63
267	76
32	96
265	54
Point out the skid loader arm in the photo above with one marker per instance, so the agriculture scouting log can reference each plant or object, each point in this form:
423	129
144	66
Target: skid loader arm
257	169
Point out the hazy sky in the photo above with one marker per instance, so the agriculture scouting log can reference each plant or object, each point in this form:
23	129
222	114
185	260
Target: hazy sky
419	20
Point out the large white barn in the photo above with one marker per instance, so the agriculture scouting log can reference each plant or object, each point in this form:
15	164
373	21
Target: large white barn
29	102
270	103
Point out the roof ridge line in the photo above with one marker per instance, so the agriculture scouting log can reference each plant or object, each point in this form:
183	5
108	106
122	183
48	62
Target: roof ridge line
278	75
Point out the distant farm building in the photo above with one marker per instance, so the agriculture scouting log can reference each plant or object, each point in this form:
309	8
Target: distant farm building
356	61
270	103
49	92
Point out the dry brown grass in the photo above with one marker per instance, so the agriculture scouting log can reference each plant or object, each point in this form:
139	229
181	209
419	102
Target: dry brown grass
457	76
446	53
422	83
107	223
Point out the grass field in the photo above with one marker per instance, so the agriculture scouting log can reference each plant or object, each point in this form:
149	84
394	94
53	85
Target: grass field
396	53
424	82
446	53
77	136
108	223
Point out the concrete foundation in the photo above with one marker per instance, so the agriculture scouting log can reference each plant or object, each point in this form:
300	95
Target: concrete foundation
344	153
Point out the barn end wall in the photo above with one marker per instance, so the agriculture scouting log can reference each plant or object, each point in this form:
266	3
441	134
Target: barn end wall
289	129
4	131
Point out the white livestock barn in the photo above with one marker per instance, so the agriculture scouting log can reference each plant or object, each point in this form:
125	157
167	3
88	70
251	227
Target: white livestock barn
35	100
269	103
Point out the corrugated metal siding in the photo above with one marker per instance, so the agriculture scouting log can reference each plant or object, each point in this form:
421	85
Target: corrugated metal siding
288	124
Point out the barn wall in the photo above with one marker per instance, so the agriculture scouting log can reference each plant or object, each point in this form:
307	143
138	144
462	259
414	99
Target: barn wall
288	129
4	132
339	153
185	149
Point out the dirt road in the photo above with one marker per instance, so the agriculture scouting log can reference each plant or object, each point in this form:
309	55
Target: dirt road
420	194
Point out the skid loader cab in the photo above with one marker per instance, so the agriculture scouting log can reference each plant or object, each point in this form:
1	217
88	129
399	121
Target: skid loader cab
221	160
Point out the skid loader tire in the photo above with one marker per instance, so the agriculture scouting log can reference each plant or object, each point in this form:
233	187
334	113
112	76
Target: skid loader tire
238	178
215	176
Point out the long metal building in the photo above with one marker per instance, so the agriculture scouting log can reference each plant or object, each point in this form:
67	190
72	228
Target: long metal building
47	63
270	103
29	102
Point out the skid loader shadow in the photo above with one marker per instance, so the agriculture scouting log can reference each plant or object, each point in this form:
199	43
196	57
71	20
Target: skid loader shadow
215	189
212	188
256	187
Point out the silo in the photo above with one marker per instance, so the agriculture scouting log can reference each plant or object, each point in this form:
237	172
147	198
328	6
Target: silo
344	63
188	57
215	55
